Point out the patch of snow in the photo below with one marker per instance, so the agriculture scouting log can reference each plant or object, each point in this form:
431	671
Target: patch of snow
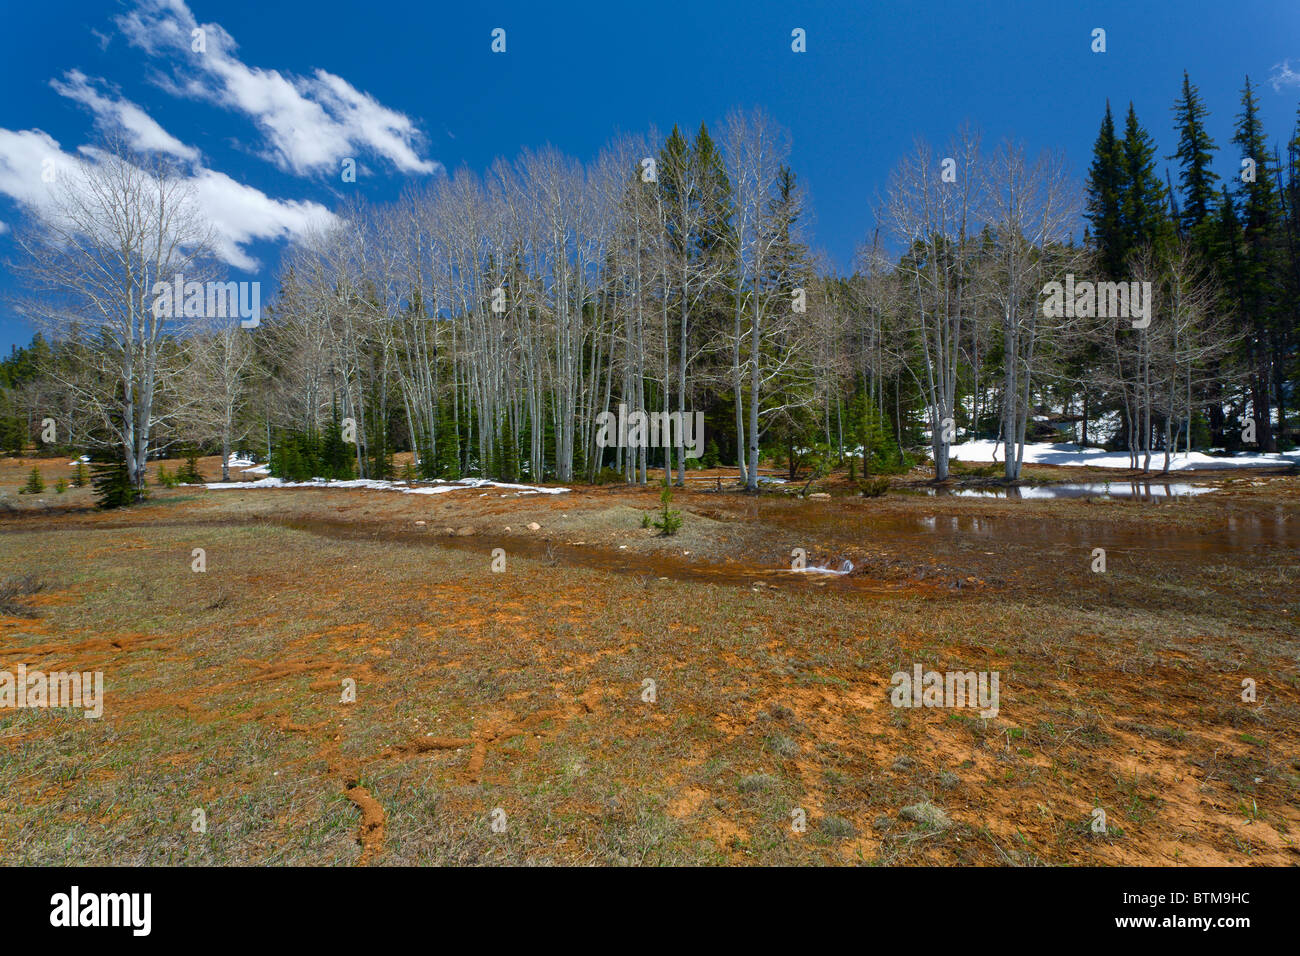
845	567
433	488
1070	454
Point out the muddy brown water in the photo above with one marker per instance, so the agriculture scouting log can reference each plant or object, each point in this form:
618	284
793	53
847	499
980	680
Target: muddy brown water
830	533
1046	534
1134	490
647	566
755	541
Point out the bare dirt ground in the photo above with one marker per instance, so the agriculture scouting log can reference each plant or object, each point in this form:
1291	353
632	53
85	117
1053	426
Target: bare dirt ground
522	691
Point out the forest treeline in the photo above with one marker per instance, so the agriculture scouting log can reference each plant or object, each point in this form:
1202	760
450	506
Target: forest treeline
485	321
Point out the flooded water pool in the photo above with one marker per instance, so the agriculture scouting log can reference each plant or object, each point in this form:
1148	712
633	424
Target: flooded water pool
1133	490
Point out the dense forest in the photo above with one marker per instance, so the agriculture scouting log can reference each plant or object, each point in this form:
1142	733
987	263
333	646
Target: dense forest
485	321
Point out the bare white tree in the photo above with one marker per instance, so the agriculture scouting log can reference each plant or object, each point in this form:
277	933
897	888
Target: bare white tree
114	226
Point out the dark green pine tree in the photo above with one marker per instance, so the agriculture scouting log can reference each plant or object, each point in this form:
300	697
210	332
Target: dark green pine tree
714	195
1145	202
112	482
713	311
1107	183
1257	207
1256	193
674	175
790	266
336	457
1195	154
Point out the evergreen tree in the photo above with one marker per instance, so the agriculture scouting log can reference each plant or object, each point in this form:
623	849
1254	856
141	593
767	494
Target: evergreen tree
1144	201
337	462
188	474
1107	184
111	480
35	483
1195	154
1257	266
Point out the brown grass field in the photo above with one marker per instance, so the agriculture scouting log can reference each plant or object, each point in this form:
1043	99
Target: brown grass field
521	691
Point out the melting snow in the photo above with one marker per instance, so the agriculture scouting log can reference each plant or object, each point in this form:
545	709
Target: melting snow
1068	454
845	567
436	487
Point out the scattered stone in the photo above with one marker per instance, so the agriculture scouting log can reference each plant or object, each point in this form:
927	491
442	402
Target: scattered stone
534	526
819	494
927	813
420	524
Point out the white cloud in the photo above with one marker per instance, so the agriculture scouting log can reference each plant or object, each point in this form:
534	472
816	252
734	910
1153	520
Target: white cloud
310	123
115	113
4	227
239	214
26	159
1282	75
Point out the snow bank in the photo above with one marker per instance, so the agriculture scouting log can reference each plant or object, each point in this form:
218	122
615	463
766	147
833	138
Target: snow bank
431	488
1070	454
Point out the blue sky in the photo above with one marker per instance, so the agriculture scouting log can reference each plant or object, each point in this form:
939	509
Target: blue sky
412	89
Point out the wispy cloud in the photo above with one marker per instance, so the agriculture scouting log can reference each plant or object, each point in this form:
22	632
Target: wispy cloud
33	165
115	113
310	123
1282	75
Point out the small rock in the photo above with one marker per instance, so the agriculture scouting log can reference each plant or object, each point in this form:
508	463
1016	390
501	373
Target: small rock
420	524
927	813
819	494
534	526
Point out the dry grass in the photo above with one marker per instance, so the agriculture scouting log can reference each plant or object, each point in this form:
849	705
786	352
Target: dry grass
523	691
